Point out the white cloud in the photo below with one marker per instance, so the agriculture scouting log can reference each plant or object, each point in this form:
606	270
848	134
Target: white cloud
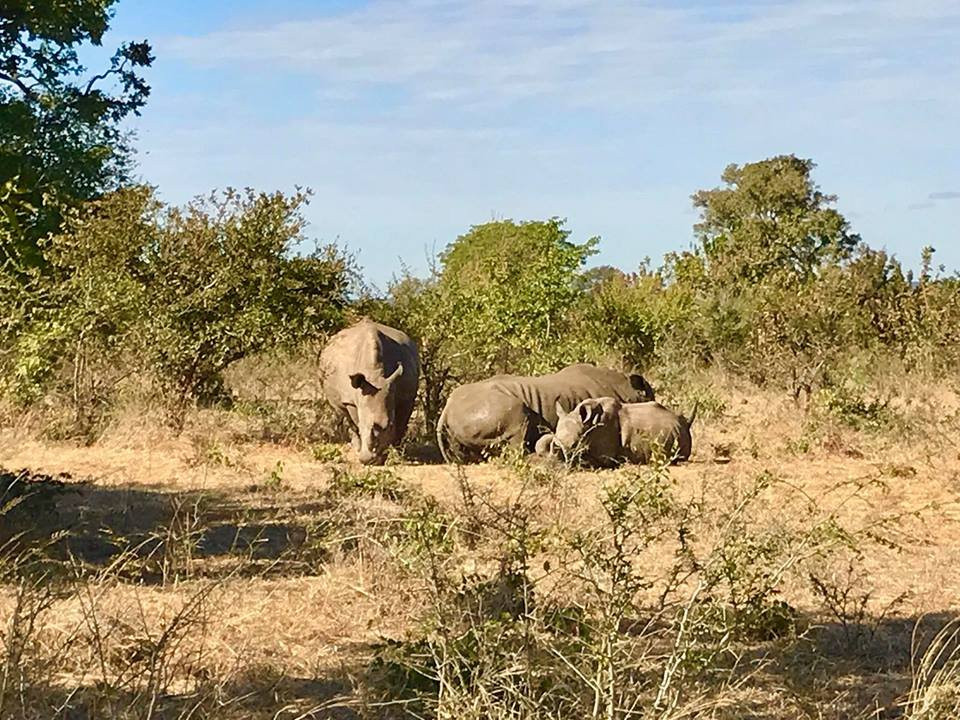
490	53
414	118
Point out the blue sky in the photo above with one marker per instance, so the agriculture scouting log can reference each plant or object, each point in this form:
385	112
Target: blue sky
414	119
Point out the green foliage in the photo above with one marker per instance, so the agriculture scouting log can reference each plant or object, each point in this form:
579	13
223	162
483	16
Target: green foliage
327	452
770	222
74	326
180	293
620	319
511	286
223	285
779	291
852	408
274	479
369	482
931	319
60	137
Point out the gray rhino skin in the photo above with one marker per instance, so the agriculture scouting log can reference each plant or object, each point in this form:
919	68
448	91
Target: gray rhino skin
513	410
604	432
370	375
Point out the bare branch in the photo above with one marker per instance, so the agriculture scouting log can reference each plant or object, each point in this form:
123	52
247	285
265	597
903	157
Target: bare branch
24	88
114	70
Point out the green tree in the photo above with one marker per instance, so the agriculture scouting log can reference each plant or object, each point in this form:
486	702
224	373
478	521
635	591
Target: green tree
769	221
223	284
60	136
512	286
764	240
132	287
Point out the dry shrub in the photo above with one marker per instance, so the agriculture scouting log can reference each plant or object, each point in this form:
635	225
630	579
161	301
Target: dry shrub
536	612
136	633
935	694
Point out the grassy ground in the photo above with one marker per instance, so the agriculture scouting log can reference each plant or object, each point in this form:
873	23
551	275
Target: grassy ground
232	571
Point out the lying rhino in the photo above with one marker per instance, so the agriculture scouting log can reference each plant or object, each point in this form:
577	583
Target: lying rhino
514	410
370	376
605	432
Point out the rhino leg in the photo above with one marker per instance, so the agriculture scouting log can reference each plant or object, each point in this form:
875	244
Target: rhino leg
348	413
544	446
519	431
402	418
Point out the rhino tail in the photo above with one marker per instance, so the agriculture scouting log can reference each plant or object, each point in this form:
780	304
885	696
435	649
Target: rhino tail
693	413
441	432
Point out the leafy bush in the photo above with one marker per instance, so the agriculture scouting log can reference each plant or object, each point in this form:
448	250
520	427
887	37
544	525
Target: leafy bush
619	321
223	286
851	408
179	293
76	328
370	482
512	286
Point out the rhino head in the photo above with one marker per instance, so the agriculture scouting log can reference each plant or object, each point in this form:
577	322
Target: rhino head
573	426
588	432
376	411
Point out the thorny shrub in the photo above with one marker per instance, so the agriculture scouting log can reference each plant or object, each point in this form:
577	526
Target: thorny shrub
535	612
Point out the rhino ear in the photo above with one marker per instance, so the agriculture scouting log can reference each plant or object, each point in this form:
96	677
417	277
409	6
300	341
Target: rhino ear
357	380
560	411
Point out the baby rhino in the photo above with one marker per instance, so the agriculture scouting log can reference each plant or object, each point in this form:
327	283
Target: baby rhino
605	432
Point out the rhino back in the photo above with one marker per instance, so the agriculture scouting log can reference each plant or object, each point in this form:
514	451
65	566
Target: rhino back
574	384
649	422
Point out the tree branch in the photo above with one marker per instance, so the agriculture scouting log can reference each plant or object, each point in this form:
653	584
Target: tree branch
114	70
24	88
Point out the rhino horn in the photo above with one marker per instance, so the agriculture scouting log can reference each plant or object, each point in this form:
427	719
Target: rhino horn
590	412
395	374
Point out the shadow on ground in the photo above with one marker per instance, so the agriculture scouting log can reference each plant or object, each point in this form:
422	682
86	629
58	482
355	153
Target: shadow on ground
854	669
64	518
257	693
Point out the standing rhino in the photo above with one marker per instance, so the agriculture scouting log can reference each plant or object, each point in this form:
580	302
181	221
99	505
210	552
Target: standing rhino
370	376
515	410
605	432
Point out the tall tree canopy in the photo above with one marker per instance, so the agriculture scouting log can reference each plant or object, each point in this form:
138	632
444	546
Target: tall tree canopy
60	135
770	220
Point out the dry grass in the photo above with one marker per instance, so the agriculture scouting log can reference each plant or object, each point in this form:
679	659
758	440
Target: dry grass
266	588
